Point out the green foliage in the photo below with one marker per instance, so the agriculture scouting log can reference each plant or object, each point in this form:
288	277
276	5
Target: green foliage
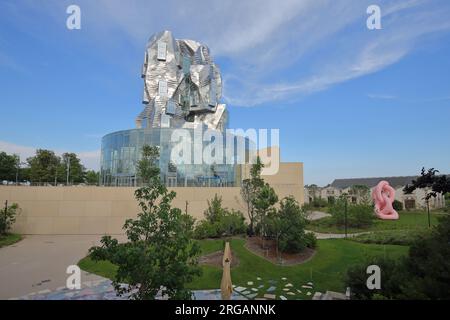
423	274
249	190
287	226
398	237
310	240
92	177
160	253
8	166
430	179
147	167
391	279
358	215
9	239
43	166
220	221
397	205
214	212
8	217
72	164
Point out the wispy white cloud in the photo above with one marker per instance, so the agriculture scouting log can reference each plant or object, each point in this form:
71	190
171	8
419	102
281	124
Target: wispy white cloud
90	159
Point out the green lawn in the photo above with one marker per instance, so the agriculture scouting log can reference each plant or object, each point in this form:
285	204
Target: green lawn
9	239
408	221
326	269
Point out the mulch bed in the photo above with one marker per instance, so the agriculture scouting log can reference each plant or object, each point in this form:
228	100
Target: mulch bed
215	259
253	244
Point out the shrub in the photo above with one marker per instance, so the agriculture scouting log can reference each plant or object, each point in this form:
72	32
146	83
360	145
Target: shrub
287	227
206	229
358	215
232	223
398	237
397	205
220	221
391	275
8	217
310	240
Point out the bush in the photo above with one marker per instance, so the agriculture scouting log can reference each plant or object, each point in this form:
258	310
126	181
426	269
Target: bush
358	215
397	205
8	217
206	229
391	277
220	221
398	237
287	226
310	240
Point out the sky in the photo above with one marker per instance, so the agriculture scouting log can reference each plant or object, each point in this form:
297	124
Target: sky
348	101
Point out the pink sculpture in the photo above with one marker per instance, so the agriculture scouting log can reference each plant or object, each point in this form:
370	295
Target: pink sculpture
383	196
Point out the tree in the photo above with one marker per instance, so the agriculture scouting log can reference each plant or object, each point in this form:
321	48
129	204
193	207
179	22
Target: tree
8	217
71	167
92	177
249	189
147	168
8	166
214	212
159	254
432	183
264	203
293	222
43	166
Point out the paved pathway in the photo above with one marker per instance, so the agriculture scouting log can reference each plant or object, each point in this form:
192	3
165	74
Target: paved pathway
102	289
316	215
39	263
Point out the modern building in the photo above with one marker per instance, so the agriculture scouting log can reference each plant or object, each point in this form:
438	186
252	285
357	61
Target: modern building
182	92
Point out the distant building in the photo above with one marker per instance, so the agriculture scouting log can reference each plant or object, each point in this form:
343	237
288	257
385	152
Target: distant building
338	187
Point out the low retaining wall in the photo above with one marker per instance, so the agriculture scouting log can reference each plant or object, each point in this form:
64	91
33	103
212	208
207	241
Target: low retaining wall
103	210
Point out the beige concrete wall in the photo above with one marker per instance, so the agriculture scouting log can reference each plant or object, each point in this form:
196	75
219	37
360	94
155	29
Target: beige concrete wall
103	210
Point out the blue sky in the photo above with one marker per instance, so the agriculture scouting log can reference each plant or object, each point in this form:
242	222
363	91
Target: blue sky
349	102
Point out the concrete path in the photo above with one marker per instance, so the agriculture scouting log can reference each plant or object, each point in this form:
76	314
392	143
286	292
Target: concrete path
316	215
322	236
39	263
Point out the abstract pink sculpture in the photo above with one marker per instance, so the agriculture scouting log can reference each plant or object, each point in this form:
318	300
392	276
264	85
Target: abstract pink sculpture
383	196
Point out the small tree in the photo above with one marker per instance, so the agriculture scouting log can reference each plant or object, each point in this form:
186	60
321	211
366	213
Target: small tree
431	182
147	167
159	254
249	190
92	177
214	212
8	217
264	203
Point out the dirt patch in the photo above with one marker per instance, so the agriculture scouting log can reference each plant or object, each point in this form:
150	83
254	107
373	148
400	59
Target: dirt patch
253	244
215	259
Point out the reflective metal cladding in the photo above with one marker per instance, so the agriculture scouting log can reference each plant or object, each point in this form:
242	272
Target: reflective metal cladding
182	85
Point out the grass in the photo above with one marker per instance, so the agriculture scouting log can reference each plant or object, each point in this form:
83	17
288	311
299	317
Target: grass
9	239
326	269
399	237
408	220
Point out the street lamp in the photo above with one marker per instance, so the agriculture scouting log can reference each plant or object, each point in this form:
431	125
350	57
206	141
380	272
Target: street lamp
68	170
